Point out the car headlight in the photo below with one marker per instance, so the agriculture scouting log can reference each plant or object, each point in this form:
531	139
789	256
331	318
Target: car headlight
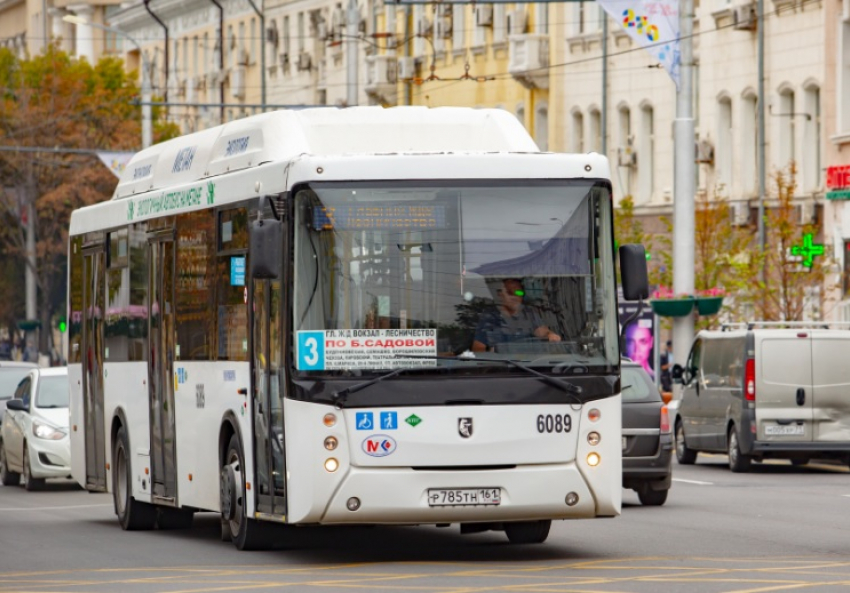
45	431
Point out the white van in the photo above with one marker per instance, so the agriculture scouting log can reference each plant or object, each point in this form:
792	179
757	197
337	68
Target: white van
758	391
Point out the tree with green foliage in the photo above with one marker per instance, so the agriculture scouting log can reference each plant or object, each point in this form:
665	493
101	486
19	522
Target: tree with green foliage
55	101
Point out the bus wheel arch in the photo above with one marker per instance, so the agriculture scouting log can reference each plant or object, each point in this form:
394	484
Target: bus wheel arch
245	532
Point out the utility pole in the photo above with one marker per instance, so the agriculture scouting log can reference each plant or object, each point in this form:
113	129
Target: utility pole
761	134
351	34
684	182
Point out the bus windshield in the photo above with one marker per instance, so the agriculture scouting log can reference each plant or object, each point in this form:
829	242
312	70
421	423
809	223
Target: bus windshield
410	274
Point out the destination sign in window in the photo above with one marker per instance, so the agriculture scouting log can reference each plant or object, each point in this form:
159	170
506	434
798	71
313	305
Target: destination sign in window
378	216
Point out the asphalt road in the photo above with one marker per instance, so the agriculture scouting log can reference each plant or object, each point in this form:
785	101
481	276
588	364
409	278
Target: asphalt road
778	528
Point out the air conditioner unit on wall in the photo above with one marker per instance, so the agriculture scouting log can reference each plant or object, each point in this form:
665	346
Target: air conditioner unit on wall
807	213
740	213
627	156
272	35
484	15
406	68
704	152
305	61
744	17
517	21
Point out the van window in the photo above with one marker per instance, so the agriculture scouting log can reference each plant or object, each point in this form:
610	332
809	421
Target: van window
694	359
712	363
733	361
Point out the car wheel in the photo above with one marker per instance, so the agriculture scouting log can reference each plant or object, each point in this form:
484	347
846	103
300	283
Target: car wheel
684	455
738	462
247	534
652	498
30	484
7	476
132	514
528	532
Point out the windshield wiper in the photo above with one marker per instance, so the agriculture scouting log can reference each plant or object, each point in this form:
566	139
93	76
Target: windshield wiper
554	381
340	396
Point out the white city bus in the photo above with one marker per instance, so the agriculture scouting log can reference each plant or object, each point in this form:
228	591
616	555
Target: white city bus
281	320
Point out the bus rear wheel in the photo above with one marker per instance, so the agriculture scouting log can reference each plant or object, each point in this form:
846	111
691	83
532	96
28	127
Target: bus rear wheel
132	514
247	534
528	532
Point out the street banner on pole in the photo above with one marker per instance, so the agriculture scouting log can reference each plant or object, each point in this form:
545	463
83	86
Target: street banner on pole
652	24
115	161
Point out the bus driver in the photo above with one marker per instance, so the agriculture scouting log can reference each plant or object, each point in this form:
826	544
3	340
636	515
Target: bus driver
510	320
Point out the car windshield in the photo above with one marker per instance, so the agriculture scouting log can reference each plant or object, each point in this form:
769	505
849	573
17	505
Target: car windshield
516	270
52	392
637	386
9	379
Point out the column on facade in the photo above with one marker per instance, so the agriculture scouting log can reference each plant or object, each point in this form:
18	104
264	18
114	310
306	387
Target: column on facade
60	31
85	33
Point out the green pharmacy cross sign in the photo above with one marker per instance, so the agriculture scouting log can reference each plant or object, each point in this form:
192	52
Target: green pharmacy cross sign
808	250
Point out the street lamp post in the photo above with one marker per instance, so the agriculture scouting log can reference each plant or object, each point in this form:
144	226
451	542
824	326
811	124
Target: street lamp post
147	123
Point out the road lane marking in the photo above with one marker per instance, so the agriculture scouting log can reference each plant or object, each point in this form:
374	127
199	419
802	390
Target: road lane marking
64	508
697	482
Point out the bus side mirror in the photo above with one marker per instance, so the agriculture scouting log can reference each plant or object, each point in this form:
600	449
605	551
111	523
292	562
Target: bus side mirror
633	272
266	249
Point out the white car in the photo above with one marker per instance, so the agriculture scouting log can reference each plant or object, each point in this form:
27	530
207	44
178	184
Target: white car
34	439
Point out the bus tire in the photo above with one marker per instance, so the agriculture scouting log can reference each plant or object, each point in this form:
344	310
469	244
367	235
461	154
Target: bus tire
132	514
247	534
528	532
7	476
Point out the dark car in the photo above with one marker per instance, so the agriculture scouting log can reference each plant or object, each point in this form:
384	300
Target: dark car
11	374
647	439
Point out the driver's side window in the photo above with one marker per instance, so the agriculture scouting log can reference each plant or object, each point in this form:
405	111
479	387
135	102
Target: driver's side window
692	368
23	391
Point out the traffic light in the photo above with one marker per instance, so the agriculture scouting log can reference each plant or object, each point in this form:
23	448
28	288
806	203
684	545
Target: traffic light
61	324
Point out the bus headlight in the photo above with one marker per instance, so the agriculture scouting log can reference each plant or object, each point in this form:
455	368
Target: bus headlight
594	414
329	420
593	459
331	464
593	438
331	443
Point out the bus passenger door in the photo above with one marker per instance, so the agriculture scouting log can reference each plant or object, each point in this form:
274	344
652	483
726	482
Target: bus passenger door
268	397
94	280
160	369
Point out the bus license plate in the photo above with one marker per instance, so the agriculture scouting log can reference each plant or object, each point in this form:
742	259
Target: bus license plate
444	497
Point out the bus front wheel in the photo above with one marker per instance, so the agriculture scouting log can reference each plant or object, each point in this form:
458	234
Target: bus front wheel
528	532
132	514
247	534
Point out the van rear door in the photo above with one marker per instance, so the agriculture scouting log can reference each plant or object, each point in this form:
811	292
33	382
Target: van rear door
783	385
831	385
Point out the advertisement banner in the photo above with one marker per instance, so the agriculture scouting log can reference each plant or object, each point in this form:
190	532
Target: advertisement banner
652	24
640	335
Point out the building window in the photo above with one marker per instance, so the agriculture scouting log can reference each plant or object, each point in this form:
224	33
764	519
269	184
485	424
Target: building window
843	86
541	18
645	150
594	131
787	131
723	158
541	127
749	143
811	139
500	24
577	132
300	32
458	27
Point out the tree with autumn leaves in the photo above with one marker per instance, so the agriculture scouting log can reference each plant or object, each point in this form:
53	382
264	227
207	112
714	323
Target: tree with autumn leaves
58	102
773	285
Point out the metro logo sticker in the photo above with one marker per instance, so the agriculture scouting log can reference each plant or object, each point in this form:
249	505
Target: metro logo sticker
379	445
